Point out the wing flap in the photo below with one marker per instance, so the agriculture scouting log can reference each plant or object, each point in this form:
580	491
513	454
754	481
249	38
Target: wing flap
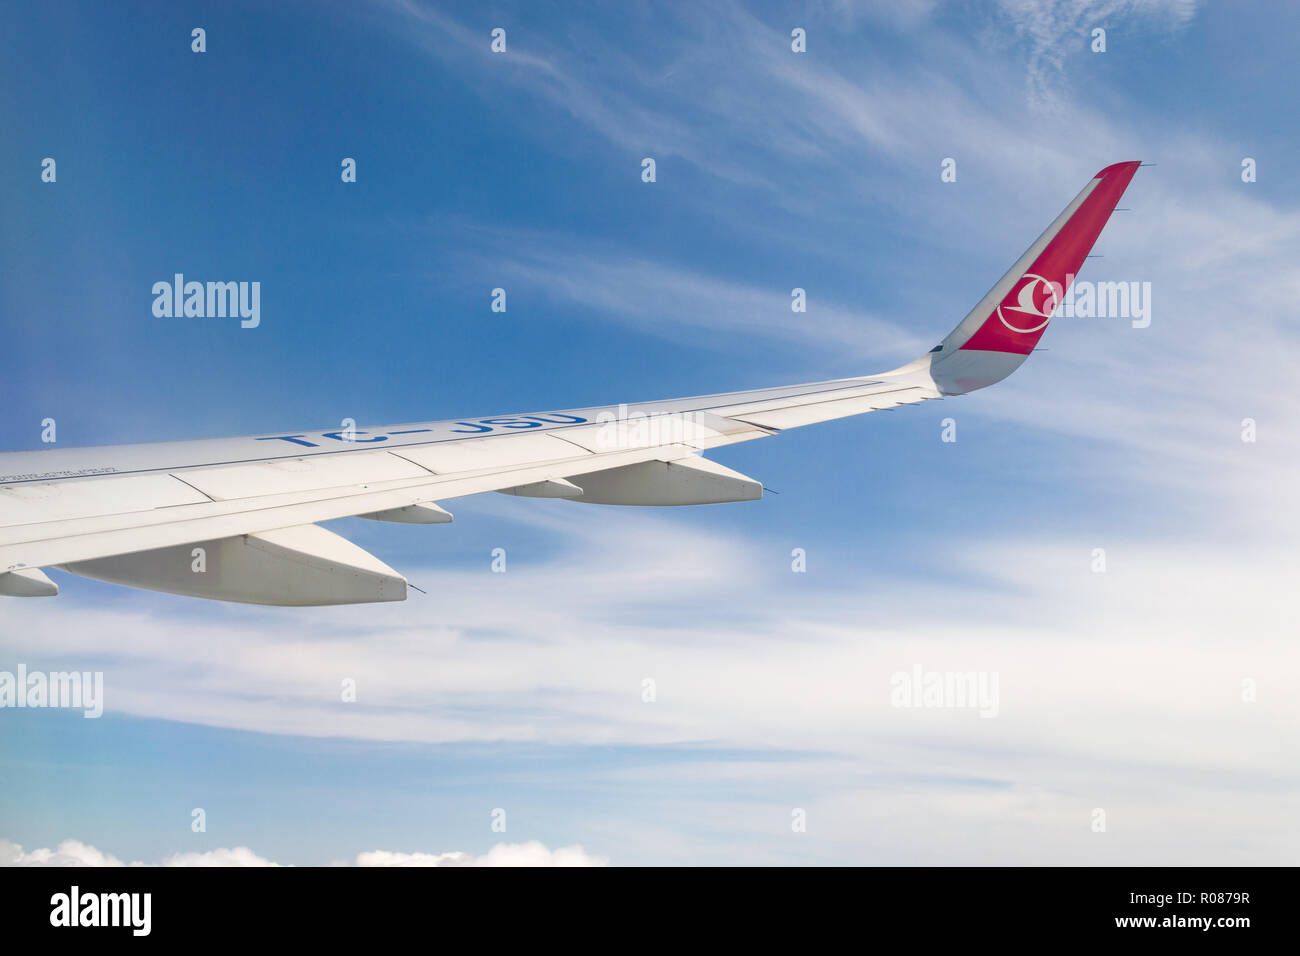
285	475
85	497
501	451
634	428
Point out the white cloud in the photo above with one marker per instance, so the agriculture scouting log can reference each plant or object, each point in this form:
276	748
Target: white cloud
76	853
531	853
232	856
1116	689
67	853
671	301
1057	29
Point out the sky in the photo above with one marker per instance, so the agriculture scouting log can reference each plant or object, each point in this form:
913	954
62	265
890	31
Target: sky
1145	712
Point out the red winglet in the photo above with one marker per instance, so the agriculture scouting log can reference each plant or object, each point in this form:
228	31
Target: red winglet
1017	322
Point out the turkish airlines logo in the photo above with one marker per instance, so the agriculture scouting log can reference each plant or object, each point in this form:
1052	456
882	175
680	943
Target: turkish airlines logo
1036	299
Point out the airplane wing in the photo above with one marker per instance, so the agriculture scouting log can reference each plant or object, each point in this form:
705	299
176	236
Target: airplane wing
235	519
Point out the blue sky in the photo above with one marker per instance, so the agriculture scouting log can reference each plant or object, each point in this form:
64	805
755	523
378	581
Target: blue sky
775	170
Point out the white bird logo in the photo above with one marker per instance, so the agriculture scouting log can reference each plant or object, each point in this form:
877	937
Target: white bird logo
1029	302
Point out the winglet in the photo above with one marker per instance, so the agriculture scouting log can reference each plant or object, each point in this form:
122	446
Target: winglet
1015	313
1000	332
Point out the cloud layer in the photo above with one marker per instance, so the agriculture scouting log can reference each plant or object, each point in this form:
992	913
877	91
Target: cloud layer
532	853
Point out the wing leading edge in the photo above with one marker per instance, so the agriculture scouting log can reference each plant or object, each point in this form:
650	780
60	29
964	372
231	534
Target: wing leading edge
234	519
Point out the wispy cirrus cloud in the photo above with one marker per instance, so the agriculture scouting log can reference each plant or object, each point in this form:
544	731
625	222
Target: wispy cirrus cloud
1054	30
1114	687
605	283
